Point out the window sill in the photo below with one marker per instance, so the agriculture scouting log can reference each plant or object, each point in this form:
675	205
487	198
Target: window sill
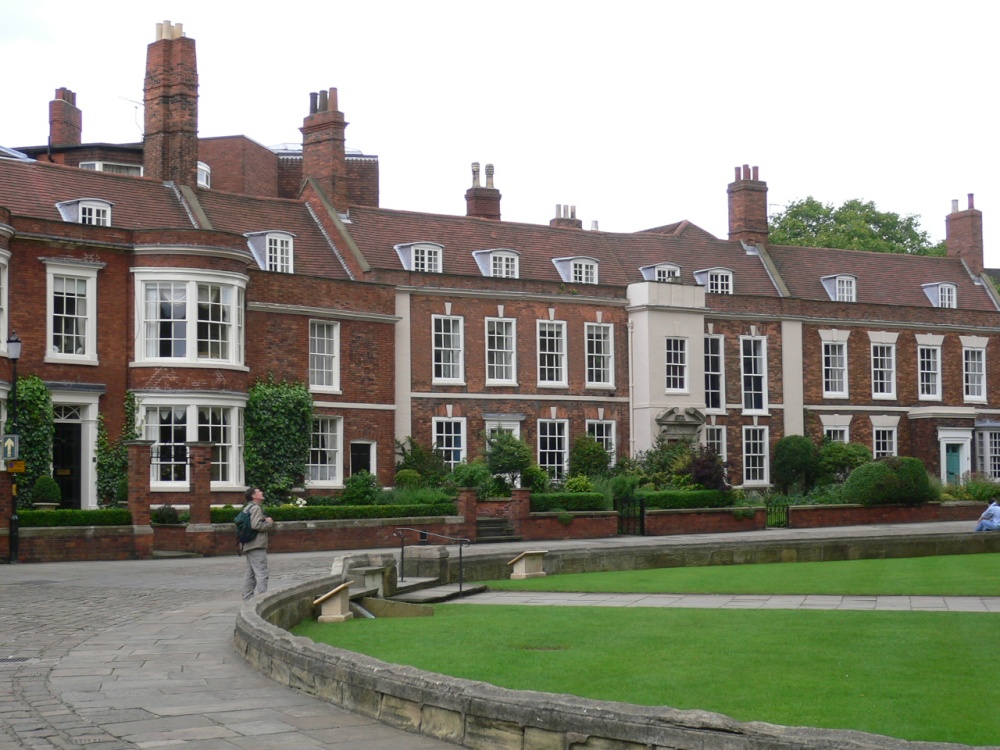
883	397
449	382
64	359
600	386
552	385
326	391
501	384
200	364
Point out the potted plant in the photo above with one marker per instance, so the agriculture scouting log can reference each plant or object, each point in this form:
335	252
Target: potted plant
45	494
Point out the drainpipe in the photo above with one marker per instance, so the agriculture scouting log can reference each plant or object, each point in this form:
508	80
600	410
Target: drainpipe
631	393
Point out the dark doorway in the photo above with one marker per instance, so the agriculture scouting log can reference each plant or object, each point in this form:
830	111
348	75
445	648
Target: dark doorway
361	457
66	461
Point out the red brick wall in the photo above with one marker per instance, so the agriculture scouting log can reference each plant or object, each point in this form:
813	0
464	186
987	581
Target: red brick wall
171	111
240	165
363	181
708	521
814	516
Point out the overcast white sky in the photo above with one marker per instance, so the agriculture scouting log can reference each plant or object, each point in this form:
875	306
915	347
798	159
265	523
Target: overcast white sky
634	112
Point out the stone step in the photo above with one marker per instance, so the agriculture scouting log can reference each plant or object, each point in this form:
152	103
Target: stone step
493	539
439	593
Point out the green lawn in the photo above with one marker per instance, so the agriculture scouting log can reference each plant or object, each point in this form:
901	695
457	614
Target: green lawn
952	575
915	675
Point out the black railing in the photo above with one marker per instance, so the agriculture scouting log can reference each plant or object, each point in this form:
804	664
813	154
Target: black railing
777	515
422	539
631	515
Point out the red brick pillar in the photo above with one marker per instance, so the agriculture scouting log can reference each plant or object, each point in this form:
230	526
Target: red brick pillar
200	533
468	498
139	458
520	508
6	507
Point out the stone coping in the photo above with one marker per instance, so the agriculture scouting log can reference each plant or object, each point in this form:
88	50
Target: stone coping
482	716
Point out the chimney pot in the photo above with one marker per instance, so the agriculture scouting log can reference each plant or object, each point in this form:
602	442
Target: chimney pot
324	102
746	171
753	173
572	212
593	225
475	174
972	203
489	176
313	102
737	178
954	206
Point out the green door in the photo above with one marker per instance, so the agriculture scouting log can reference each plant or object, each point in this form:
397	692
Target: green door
953	462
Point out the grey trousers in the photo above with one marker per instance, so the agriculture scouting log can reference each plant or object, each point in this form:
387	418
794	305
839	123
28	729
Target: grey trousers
255	578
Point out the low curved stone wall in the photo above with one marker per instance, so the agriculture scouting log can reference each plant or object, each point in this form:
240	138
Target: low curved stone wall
482	716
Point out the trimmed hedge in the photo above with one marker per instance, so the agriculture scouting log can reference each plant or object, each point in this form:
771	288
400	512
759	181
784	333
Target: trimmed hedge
337	512
74	517
545	502
888	481
685	499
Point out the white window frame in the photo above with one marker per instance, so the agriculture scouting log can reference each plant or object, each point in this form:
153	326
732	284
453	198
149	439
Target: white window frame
426	259
720	282
495	357
835	369
847	289
190	280
666	271
929	373
715	373
4	298
761	464
324	356
584	271
554	372
557	471
714	436
886	365
974	374
947	296
189	404
95	213
330	472
504	264
81	271
204	175
746	377
837	434
280	252
884	442
448	349
495	425
605	432
451	453
675	360
599	349
988	453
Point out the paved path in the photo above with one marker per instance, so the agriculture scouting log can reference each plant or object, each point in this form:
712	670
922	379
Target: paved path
139	654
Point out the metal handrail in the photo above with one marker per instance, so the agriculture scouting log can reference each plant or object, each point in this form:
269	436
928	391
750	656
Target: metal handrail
461	541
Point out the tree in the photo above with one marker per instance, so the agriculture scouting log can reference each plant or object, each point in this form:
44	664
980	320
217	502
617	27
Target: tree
855	225
588	457
507	457
277	435
796	464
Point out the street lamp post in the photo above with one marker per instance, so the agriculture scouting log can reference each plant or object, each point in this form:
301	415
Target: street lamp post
14	354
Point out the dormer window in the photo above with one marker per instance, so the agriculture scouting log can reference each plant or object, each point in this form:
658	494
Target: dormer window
424	257
498	264
942	294
716	280
279	253
204	175
91	211
663	272
841	287
578	270
134	170
273	250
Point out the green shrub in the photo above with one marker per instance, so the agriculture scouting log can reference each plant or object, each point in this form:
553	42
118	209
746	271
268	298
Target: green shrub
981	488
475	474
36	428
507	457
588	457
837	461
673	499
46	490
536	479
579	483
165	514
361	488
547	502
408	478
75	517
624	486
427	462
889	481
277	428
795	464
417	496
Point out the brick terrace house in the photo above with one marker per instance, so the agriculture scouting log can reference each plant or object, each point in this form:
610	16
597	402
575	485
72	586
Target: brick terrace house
183	269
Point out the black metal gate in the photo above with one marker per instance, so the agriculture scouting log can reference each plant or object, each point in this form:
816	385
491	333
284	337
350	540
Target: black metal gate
631	516
777	516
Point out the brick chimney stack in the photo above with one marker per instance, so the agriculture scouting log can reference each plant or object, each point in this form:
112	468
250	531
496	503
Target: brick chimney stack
748	207
482	202
170	144
566	218
323	155
65	120
964	235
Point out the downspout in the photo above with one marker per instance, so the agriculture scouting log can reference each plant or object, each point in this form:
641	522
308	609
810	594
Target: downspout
631	393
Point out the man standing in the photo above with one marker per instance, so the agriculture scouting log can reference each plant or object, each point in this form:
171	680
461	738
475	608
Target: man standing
990	520
255	551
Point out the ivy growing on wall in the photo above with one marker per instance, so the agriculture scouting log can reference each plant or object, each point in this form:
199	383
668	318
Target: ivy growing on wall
277	429
112	455
36	427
